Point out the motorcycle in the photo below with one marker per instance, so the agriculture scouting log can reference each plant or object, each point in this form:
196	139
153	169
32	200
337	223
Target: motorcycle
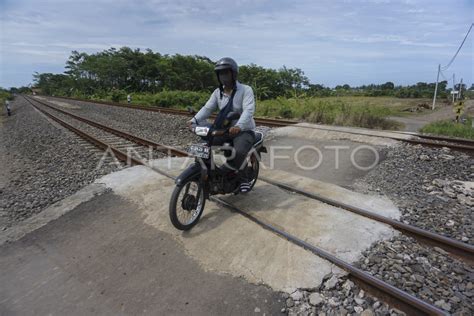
203	178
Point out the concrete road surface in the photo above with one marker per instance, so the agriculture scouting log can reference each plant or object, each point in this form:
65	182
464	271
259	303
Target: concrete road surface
100	259
110	249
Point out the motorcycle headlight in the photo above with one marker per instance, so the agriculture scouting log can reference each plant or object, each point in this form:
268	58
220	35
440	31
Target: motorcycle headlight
201	130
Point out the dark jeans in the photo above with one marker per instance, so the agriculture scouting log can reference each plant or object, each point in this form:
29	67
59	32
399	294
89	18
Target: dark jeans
242	143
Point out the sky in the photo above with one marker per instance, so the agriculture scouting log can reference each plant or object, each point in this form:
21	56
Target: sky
334	42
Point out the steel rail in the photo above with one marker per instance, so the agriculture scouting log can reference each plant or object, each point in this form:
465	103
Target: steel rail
396	297
459	249
458	140
452	142
379	288
263	121
100	144
138	140
97	142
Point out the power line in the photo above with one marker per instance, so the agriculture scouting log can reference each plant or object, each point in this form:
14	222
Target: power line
460	46
446	68
442	75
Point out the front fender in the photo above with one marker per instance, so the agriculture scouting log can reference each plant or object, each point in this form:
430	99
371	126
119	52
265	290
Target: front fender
192	171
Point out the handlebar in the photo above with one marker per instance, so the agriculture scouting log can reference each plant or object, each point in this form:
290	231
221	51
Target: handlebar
220	132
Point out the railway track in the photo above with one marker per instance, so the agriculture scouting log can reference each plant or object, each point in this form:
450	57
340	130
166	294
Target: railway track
461	141
131	150
379	288
457	248
461	144
261	121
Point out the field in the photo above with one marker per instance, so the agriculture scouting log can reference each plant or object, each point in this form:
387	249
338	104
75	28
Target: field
369	112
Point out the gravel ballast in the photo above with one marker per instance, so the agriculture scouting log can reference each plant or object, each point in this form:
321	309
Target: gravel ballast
167	129
429	274
431	186
433	189
43	163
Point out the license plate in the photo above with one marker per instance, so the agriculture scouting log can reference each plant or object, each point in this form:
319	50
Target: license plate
201	151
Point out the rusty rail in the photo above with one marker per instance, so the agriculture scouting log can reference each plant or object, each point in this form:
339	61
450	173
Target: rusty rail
136	139
457	248
390	294
424	139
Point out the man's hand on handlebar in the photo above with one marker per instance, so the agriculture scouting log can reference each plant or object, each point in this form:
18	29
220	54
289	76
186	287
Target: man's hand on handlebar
234	130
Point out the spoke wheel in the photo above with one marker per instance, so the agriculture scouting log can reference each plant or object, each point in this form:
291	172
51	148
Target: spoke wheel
186	206
253	167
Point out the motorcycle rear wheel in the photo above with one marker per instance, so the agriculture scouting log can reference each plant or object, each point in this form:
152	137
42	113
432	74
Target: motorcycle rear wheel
254	166
185	206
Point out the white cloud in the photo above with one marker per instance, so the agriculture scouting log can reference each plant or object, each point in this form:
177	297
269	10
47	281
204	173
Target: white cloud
305	34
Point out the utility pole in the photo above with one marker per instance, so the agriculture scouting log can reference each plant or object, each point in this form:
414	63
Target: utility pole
436	88
454	83
460	91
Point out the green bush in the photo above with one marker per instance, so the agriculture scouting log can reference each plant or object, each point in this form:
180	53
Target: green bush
450	128
5	95
168	99
285	111
98	95
180	99
118	95
142	98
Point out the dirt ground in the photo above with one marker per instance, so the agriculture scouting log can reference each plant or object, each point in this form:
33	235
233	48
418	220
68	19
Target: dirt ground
416	122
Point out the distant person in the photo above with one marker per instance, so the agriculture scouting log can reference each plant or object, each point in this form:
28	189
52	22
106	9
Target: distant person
129	99
7	105
232	96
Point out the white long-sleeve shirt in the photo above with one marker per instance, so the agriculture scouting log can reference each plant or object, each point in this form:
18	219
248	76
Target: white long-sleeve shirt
244	103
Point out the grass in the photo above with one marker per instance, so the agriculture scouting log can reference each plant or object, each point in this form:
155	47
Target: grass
368	112
450	128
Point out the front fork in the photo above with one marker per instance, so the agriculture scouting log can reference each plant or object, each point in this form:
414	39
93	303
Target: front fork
195	171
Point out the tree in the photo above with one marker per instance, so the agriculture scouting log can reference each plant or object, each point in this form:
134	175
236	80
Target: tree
52	83
125	70
388	86
264	82
292	81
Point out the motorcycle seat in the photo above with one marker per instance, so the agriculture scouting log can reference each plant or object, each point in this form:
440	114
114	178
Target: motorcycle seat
258	138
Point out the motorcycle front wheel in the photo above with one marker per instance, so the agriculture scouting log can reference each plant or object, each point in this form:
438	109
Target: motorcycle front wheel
186	206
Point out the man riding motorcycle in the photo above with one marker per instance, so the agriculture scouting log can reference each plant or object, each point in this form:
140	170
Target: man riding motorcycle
232	96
